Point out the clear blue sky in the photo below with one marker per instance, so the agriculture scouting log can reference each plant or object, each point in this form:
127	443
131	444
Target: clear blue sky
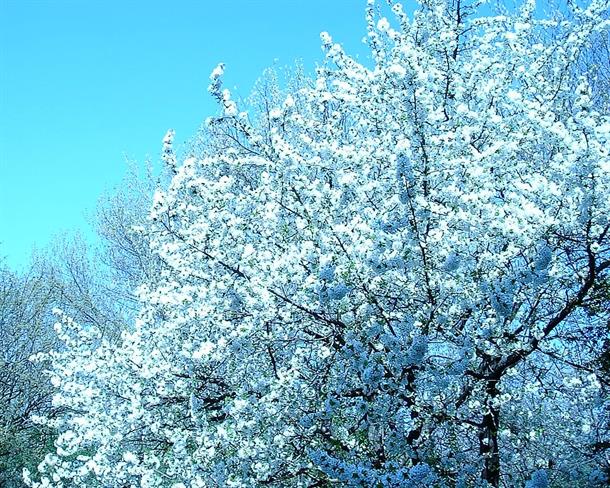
84	83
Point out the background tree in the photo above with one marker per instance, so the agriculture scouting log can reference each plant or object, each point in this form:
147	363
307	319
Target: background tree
25	302
125	253
94	285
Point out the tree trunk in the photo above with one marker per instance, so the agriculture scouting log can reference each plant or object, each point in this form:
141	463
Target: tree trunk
488	437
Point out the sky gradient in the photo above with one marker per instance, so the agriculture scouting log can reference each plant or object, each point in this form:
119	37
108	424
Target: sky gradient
86	84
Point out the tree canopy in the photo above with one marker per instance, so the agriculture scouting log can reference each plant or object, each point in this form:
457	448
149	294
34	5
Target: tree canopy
396	275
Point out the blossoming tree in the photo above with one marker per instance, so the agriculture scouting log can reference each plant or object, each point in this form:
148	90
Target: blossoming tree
400	280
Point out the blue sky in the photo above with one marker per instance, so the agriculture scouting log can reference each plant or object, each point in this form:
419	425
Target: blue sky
86	83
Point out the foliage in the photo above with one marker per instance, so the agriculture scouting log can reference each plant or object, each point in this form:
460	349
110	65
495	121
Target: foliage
397	280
